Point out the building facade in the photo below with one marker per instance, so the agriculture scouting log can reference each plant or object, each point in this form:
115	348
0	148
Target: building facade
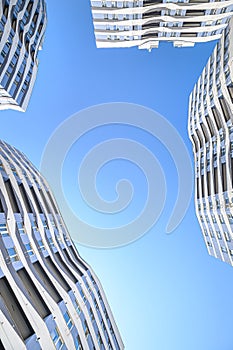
49	297
22	28
211	133
144	23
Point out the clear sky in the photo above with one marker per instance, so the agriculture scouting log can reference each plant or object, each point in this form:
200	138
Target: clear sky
166	293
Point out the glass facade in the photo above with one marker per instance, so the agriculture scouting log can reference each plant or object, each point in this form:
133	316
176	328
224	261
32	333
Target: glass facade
145	23
60	303
22	28
211	133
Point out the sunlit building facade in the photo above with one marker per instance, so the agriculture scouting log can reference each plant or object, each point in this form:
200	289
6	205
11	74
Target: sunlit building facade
145	23
22	28
211	132
50	298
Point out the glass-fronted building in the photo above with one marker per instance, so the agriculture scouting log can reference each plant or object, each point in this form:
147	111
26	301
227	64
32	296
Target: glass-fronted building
50	297
211	133
22	28
145	23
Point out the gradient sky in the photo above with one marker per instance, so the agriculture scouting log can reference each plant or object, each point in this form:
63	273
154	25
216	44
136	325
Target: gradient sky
165	291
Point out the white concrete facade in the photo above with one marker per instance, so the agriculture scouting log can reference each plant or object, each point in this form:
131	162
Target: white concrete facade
50	298
22	28
211	132
145	23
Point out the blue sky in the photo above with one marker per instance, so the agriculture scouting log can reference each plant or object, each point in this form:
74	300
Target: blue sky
165	291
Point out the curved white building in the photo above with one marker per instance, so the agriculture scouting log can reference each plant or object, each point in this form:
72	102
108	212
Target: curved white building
49	297
211	132
144	23
22	28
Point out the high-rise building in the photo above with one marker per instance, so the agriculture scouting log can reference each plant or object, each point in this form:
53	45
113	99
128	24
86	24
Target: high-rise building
144	23
50	298
22	27
211	132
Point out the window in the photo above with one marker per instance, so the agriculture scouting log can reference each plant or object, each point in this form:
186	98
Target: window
106	314
86	329
213	218
224	249
78	344
111	330
29	249
88	287
20	228
68	320
227	237
83	295
99	295
221	219
211	233
34	225
109	345
230	218
92	314
41	244
96	304
92	279
100	341
51	243
13	254
3	230
77	306
57	339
